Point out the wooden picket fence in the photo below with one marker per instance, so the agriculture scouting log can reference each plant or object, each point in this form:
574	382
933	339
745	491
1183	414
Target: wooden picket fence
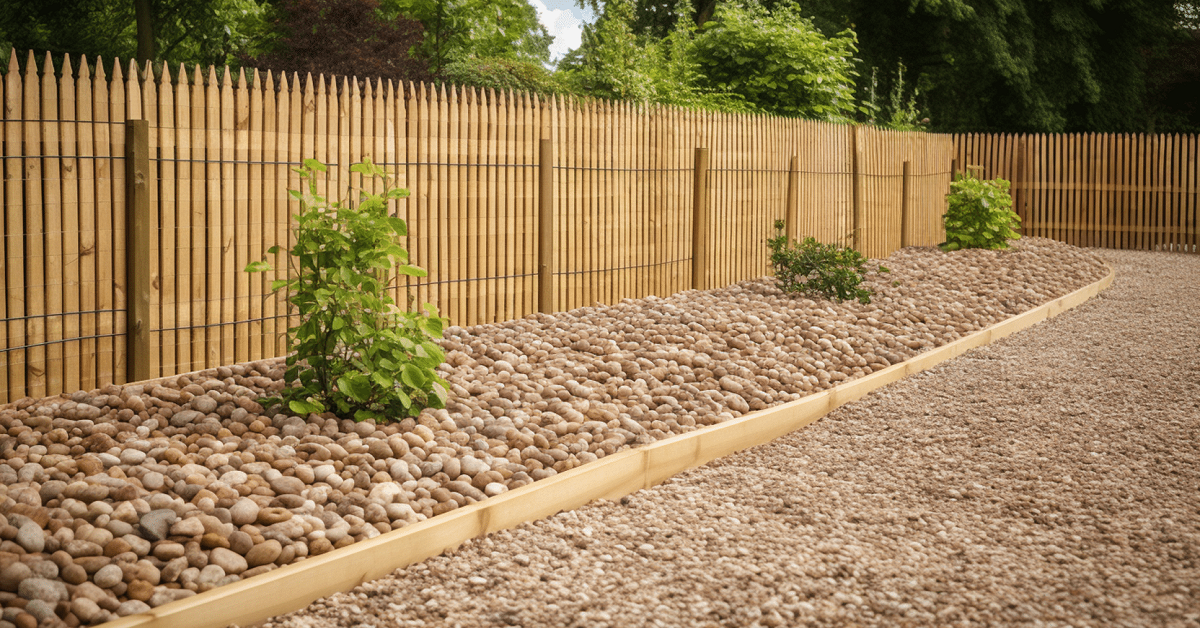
1100	190
124	241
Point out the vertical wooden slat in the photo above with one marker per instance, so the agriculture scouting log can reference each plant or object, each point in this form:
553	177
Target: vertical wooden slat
273	144
14	232
229	193
53	222
700	222
439	140
507	227
460	252
238	220
88	376
110	200
182	271
477	262
202	336
251	145
71	278
34	230
140	248
166	270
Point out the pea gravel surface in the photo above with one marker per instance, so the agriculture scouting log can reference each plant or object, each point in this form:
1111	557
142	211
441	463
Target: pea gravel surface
1049	479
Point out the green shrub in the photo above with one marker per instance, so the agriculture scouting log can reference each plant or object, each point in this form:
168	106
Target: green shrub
502	75
354	353
980	215
810	268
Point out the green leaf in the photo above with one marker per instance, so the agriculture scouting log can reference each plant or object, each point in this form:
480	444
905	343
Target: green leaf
256	267
305	408
413	377
313	164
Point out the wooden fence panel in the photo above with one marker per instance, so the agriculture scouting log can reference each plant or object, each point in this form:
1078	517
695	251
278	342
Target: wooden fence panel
623	179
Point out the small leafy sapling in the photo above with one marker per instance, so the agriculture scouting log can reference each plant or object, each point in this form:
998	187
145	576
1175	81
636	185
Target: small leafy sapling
354	353
979	215
810	268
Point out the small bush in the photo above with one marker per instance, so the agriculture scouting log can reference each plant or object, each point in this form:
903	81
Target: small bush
810	268
980	215
354	353
502	75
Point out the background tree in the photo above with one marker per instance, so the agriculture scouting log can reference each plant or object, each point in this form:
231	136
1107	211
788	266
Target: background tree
177	31
342	37
481	29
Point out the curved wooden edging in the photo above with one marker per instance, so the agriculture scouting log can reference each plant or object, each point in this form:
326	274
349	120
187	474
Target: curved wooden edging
295	586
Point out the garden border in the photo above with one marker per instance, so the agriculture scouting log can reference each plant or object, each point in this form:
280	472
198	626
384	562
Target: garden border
294	586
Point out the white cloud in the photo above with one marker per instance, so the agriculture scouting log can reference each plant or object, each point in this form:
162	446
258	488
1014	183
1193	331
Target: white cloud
562	24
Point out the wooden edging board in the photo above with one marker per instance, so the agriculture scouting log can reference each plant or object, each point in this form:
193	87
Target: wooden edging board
294	586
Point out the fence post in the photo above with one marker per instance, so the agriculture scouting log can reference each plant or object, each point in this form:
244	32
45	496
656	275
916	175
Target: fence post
856	192
700	221
792	212
137	249
905	187
1018	193
546	301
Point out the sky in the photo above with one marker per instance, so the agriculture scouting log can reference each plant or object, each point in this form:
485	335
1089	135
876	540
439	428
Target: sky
564	19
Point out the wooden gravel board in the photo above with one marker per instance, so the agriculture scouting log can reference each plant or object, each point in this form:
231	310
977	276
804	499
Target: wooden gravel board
295	586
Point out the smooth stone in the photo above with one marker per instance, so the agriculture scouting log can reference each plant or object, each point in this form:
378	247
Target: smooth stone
171	571
228	560
137	544
79	548
153	481
385	493
204	404
108	576
163	595
234	478
86	610
168	550
240	542
156	524
31	538
212	539
51	591
132	607
40	609
494	488
271	516
12	576
287	485
321	473
117	546
264	553
132	457
187	527
244	511
140	590
210	575
185	418
74	574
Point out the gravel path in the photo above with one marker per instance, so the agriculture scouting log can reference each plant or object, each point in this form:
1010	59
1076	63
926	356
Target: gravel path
1052	478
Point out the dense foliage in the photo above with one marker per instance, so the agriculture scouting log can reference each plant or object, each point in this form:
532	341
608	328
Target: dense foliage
777	61
501	74
341	37
354	353
965	65
204	32
979	214
814	269
460	30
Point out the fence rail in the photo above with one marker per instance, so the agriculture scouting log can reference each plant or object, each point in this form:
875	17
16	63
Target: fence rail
123	257
1102	190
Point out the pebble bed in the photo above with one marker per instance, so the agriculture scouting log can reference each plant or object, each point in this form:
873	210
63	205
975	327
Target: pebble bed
121	499
1051	478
